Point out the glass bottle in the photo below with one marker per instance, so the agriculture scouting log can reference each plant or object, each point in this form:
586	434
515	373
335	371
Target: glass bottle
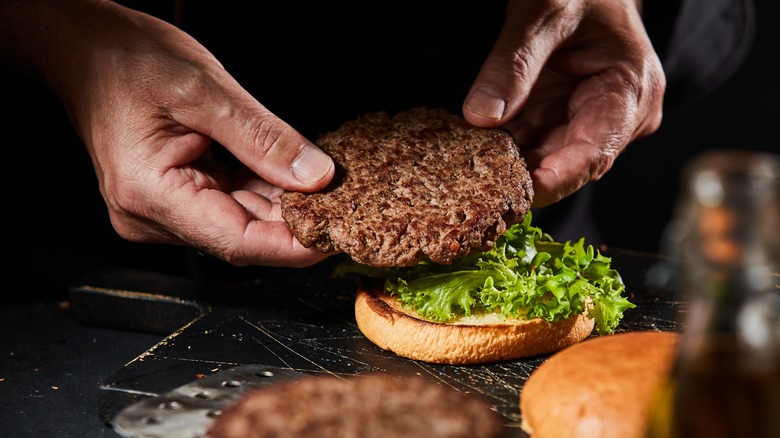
725	381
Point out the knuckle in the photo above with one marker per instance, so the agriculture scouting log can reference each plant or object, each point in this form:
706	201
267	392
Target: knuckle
605	158
234	258
129	212
554	8
192	85
129	228
520	64
266	134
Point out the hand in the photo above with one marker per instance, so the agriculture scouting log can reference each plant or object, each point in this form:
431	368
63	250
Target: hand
575	82
147	100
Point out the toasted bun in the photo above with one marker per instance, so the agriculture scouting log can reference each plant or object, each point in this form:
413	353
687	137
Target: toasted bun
601	387
469	340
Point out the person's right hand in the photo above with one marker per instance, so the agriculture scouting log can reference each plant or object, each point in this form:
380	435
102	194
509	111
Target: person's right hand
147	100
575	82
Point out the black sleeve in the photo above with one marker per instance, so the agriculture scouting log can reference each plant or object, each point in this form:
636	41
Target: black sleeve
701	43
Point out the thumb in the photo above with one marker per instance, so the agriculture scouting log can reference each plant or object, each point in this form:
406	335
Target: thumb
279	154
522	49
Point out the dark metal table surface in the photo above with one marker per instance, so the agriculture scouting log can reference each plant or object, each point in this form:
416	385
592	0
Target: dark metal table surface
125	336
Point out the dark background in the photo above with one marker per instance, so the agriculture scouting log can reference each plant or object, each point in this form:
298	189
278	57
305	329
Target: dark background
56	223
57	228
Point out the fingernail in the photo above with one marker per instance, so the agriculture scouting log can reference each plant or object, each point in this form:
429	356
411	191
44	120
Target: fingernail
311	165
486	102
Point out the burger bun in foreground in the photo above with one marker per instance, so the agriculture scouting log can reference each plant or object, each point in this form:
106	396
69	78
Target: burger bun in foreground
602	387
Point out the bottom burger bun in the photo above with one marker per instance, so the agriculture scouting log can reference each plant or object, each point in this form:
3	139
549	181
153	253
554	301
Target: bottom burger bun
467	340
602	387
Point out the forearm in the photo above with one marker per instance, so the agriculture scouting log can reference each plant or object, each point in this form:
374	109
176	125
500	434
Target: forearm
87	51
55	40
36	33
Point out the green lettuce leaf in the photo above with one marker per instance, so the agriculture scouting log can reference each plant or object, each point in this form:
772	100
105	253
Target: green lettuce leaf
526	274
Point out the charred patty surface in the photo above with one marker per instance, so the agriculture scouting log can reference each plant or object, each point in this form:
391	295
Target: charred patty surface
421	184
373	405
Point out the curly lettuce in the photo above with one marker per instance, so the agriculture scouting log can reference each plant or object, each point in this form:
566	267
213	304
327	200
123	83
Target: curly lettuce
526	275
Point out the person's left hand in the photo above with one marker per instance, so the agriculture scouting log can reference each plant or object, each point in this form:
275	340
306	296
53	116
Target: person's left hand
149	102
575	82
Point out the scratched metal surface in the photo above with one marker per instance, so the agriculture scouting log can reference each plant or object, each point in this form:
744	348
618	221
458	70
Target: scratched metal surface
305	323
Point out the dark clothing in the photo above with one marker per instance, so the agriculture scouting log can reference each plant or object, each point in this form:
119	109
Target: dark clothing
701	44
708	42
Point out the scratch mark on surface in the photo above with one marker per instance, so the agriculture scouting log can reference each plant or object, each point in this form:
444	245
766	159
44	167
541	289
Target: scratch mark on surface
320	309
217	362
165	341
275	339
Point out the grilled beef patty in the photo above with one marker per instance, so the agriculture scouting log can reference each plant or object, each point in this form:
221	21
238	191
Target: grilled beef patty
376	405
421	184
